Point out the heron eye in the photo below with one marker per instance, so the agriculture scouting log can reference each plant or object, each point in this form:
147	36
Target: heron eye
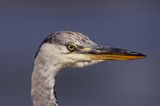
71	47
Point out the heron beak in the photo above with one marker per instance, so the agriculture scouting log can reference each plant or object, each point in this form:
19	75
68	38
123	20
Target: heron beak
110	53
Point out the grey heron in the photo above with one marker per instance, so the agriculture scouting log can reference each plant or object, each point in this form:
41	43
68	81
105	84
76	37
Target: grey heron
68	49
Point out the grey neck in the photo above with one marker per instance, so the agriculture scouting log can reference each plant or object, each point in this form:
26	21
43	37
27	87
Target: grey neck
43	81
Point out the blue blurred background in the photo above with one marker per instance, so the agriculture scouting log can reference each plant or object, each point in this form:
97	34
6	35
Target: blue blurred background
128	24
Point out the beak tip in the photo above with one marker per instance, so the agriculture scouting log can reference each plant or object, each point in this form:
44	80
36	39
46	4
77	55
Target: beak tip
141	55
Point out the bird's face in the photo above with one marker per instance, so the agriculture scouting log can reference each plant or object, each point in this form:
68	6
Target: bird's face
76	50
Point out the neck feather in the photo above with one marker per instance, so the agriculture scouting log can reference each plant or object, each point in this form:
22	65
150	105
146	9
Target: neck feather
43	81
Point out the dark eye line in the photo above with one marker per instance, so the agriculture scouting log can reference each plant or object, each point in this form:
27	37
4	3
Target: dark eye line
76	48
79	46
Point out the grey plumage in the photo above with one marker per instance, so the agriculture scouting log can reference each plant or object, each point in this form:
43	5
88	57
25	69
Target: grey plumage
42	93
67	49
64	37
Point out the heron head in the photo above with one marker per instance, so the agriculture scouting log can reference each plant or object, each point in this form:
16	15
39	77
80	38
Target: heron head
74	49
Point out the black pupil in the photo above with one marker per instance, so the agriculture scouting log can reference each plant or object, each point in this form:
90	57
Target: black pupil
71	47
